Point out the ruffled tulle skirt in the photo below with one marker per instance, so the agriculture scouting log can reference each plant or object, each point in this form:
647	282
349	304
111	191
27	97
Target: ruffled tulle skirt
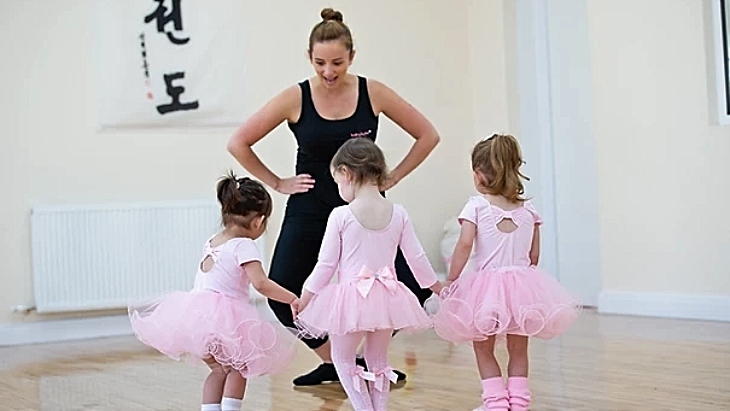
341	308
510	300
202	324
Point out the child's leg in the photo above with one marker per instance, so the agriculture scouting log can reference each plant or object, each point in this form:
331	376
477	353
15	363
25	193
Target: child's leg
494	394
376	355
360	360
486	362
519	392
233	391
518	359
351	376
213	386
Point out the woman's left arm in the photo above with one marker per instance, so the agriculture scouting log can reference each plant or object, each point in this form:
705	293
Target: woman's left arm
386	101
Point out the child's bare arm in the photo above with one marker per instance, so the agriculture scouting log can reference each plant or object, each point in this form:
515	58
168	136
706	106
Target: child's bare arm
535	250
462	250
262	283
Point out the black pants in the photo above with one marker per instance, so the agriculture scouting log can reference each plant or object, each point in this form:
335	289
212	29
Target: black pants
295	256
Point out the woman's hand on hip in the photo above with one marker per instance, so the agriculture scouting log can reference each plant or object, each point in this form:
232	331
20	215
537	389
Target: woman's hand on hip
293	185
389	182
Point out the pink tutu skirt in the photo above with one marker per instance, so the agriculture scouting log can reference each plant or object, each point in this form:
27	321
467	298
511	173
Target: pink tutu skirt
202	324
341	308
510	300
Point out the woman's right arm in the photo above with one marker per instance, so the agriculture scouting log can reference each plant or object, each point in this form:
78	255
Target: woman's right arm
283	107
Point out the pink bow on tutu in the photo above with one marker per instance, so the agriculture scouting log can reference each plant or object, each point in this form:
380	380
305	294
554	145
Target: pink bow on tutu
367	278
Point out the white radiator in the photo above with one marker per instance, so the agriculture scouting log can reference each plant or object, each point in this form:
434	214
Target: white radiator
95	257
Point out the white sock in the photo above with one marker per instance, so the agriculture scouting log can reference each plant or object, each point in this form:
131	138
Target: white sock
210	407
231	404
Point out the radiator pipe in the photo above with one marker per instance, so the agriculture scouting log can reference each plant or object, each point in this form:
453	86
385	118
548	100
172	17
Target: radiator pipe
24	309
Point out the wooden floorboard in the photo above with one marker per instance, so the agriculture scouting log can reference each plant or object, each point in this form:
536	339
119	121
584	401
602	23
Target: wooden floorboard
604	363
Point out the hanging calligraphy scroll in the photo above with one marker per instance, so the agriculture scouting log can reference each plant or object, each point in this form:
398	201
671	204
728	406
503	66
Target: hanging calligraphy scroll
167	63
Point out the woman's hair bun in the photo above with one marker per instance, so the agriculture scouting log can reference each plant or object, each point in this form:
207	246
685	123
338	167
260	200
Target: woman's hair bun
331	14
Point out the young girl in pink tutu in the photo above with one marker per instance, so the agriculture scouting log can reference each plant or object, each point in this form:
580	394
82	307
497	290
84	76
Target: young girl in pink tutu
367	302
506	295
215	322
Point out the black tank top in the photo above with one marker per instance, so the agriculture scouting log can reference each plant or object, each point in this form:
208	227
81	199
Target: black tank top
318	140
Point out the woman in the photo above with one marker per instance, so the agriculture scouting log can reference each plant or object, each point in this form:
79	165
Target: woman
323	112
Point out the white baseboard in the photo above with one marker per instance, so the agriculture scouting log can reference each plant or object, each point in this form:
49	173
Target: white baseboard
691	307
41	332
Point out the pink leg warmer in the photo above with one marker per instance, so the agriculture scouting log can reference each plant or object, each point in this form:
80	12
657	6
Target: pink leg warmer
519	393
494	395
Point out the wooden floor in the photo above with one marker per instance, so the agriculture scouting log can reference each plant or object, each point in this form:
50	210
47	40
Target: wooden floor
604	363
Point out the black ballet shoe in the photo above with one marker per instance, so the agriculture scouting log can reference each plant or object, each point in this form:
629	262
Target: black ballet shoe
361	362
324	373
401	375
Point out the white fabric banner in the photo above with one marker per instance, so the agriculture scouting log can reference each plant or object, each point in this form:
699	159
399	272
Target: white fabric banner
168	63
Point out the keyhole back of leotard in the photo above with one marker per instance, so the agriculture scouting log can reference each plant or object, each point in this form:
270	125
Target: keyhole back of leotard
207	264
506	225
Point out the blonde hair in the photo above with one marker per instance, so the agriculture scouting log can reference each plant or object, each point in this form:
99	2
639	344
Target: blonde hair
497	161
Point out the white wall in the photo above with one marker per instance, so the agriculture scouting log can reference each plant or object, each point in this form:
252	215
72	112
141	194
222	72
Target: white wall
52	154
662	166
490	27
554	110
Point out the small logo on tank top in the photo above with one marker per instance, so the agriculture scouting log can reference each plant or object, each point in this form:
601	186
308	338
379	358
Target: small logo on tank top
361	134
